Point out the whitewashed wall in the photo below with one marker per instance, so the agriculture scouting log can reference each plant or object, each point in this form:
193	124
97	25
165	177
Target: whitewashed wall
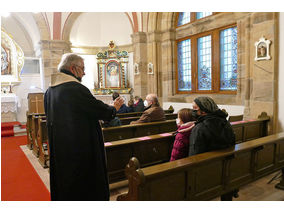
97	29
22	91
281	76
231	109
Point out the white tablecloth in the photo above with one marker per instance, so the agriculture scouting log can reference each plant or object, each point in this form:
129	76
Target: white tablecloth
9	103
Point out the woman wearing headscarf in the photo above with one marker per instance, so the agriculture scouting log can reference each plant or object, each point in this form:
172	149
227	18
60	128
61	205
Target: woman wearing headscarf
212	131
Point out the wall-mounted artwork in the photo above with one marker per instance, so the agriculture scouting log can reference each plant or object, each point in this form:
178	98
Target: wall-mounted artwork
262	49
136	69
150	69
112	74
5	61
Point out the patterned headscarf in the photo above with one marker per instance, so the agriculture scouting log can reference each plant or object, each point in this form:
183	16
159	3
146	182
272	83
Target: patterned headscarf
206	104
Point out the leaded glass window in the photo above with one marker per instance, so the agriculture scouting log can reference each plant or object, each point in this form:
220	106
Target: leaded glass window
204	63
200	15
184	65
183	18
228	59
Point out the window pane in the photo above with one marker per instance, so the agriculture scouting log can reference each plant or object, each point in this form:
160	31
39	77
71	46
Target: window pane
184	65
183	18
31	66
204	63
228	59
202	14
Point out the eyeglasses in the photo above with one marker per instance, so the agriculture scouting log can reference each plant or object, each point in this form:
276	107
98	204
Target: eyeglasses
82	68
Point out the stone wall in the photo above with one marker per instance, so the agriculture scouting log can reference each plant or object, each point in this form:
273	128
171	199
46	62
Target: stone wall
257	80
51	51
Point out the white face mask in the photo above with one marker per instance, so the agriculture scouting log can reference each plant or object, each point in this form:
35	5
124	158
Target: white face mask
145	103
178	121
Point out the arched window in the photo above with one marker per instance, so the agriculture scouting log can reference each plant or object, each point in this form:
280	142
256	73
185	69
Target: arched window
207	62
187	17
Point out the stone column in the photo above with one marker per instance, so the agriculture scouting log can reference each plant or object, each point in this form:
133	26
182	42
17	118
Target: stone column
51	51
168	58
264	73
139	41
154	56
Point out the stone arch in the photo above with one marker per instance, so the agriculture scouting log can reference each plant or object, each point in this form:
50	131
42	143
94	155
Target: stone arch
42	26
68	25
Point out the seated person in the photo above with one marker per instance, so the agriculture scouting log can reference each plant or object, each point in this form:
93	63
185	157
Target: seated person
212	131
138	105
111	123
130	103
181	143
123	108
153	113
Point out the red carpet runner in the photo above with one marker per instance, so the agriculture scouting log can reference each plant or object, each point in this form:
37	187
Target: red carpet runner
19	180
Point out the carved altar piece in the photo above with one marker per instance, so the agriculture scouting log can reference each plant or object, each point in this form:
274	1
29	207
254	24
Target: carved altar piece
112	71
12	60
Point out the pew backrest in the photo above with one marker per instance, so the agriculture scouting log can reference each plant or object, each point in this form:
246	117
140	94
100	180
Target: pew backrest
150	150
138	130
135	114
127	120
234	118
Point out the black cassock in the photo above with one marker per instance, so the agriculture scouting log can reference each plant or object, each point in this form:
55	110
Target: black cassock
77	154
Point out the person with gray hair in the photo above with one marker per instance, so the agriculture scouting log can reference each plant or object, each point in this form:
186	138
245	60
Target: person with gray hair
212	131
77	155
153	111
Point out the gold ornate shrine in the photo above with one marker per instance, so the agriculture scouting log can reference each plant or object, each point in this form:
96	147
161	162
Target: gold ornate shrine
112	71
12	59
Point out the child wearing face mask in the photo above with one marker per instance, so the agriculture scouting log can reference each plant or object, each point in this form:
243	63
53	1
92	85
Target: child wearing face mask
184	124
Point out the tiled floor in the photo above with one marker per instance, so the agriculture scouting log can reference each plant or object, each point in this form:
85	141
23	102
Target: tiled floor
256	191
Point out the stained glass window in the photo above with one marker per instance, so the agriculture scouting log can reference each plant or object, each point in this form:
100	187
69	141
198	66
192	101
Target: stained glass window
184	65
204	62
183	18
228	59
202	14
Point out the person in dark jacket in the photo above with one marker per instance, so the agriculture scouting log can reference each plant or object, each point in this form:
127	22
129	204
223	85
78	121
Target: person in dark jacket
123	108
138	105
212	131
181	143
77	155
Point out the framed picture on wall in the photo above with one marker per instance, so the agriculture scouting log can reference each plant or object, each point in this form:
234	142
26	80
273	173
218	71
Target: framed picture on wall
262	49
136	69
150	69
112	74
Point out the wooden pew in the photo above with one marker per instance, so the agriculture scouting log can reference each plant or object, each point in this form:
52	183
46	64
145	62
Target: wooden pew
207	175
155	149
29	128
150	150
127	120
42	141
138	130
251	129
35	146
234	118
135	114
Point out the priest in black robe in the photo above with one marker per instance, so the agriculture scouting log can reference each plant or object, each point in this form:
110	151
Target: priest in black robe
77	155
